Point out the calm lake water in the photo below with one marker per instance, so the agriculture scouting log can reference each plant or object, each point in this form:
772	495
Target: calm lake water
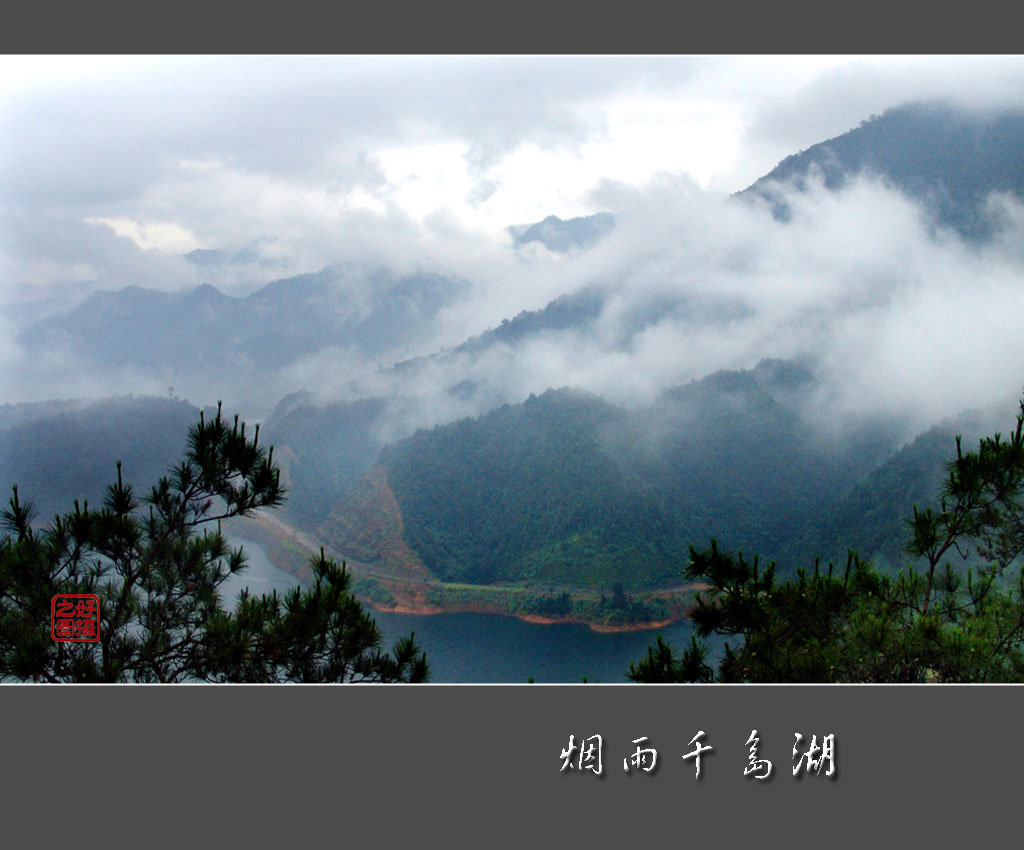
486	648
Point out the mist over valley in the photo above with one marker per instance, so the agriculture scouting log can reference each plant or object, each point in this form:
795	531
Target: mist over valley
536	417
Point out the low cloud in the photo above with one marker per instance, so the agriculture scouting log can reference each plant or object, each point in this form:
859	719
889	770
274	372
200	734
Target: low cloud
897	319
277	167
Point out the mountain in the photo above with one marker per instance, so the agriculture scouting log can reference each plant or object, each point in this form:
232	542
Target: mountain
575	311
948	158
872	517
563	489
564	235
201	335
324	451
57	453
567	489
350	318
525	492
207	257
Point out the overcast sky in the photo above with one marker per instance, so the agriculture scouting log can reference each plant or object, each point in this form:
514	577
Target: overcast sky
111	168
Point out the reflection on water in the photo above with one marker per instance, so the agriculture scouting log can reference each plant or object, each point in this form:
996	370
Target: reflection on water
484	648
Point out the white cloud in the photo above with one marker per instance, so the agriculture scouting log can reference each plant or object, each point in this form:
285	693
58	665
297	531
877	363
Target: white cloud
109	169
163	236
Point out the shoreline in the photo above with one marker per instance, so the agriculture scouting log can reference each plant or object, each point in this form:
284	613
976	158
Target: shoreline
539	619
282	545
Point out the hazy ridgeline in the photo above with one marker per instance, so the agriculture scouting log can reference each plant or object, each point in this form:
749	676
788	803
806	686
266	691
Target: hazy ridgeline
571	408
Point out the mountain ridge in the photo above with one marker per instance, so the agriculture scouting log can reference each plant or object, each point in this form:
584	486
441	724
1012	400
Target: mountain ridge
948	158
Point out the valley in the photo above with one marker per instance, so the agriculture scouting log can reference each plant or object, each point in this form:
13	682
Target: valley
400	591
549	423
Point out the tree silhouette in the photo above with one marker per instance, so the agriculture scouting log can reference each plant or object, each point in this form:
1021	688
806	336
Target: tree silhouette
942	622
157	568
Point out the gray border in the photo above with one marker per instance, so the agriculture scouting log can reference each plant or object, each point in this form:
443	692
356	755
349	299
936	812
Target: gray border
429	763
482	762
527	26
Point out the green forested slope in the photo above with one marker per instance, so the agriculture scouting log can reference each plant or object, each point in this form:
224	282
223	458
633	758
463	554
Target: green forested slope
872	517
325	450
529	492
568	489
56	456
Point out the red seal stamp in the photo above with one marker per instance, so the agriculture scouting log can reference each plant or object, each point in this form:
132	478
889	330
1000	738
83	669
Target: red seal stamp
75	617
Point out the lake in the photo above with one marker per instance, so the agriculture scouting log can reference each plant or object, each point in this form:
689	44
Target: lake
488	648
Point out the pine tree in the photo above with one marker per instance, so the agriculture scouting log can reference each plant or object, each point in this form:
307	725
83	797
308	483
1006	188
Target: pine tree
157	568
942	622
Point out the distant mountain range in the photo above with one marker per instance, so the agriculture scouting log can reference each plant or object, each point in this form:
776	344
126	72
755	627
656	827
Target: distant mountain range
947	158
202	335
563	489
562	236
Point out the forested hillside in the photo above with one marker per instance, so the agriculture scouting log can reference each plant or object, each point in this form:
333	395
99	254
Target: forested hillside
586	444
945	157
872	518
567	489
56	456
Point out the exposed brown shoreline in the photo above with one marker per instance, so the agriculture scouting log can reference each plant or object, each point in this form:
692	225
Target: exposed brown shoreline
405	592
604	628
